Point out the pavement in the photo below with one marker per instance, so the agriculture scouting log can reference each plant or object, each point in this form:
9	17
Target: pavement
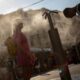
54	74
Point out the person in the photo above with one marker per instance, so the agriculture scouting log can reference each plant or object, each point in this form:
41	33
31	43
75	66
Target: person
11	47
37	66
71	12
24	59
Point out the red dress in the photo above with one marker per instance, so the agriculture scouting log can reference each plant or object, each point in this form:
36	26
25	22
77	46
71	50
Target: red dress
24	58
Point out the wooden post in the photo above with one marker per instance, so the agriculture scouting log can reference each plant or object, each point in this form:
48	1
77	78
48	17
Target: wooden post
60	55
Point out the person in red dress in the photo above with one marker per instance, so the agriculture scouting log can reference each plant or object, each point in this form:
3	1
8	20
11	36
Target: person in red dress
24	59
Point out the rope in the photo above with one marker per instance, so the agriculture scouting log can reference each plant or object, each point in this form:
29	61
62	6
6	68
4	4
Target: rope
33	4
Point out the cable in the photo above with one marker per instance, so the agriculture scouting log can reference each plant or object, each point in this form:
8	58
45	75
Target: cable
33	4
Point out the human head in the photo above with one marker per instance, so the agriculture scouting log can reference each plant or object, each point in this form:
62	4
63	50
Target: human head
18	26
69	12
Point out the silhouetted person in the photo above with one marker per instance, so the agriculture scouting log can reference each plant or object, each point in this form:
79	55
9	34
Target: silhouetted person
24	59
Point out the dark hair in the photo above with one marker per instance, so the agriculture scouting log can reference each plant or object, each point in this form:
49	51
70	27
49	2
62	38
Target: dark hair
78	8
66	11
69	12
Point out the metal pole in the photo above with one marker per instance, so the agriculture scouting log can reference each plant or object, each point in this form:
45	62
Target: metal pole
60	55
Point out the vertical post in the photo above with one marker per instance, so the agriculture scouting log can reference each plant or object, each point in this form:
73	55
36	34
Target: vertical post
60	55
77	53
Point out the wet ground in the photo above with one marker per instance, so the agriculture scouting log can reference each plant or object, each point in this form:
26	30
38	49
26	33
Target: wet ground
54	74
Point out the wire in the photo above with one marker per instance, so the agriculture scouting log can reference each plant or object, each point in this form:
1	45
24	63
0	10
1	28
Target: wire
33	4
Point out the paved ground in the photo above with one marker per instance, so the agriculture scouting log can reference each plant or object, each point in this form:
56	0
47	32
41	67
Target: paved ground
54	75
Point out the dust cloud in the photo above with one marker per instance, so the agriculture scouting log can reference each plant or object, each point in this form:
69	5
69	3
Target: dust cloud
34	22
